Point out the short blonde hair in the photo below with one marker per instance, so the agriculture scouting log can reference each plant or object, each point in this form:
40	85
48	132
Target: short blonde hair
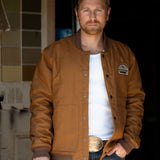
77	3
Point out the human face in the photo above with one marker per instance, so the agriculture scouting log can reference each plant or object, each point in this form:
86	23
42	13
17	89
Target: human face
92	16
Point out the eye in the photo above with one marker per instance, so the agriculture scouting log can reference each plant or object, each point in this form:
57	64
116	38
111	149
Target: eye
98	10
86	10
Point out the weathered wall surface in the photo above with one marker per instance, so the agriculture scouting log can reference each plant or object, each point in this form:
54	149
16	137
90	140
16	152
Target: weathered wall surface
14	135
15	121
32	28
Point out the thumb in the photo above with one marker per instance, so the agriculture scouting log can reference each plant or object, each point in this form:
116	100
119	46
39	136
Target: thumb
112	151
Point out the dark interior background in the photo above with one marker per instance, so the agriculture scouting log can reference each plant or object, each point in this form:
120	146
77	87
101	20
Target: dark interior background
135	23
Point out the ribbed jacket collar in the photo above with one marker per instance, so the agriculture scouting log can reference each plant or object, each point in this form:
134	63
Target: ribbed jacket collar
76	38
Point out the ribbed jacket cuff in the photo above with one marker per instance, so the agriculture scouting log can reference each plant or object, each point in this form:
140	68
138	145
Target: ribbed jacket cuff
127	144
41	152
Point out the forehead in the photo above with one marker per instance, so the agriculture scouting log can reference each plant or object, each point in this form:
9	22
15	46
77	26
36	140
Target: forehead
92	3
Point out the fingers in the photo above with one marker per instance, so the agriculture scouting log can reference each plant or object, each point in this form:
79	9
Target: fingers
112	151
119	150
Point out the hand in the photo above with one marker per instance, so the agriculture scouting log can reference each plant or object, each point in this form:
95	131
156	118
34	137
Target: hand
119	150
41	158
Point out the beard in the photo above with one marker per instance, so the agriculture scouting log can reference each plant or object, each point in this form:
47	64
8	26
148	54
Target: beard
92	30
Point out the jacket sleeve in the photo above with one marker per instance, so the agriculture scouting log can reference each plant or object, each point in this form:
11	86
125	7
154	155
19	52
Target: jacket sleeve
41	107
134	107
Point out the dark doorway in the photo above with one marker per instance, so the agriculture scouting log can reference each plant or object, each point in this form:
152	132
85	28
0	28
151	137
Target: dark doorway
136	24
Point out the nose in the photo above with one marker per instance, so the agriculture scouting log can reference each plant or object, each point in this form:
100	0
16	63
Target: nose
92	15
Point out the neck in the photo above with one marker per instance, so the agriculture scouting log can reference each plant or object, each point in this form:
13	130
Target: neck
92	43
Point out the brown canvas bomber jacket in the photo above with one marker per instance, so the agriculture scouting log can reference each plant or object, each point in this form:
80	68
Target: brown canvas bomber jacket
59	94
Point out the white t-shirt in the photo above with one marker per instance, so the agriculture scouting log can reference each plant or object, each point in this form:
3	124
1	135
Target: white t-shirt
100	116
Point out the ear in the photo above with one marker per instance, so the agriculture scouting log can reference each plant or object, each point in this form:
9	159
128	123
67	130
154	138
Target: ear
108	13
76	13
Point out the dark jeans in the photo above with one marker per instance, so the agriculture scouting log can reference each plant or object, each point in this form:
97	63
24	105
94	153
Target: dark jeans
97	155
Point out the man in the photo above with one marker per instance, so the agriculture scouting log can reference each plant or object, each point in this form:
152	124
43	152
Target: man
87	97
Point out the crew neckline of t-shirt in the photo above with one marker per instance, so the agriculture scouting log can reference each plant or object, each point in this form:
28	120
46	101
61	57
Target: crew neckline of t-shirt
97	54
